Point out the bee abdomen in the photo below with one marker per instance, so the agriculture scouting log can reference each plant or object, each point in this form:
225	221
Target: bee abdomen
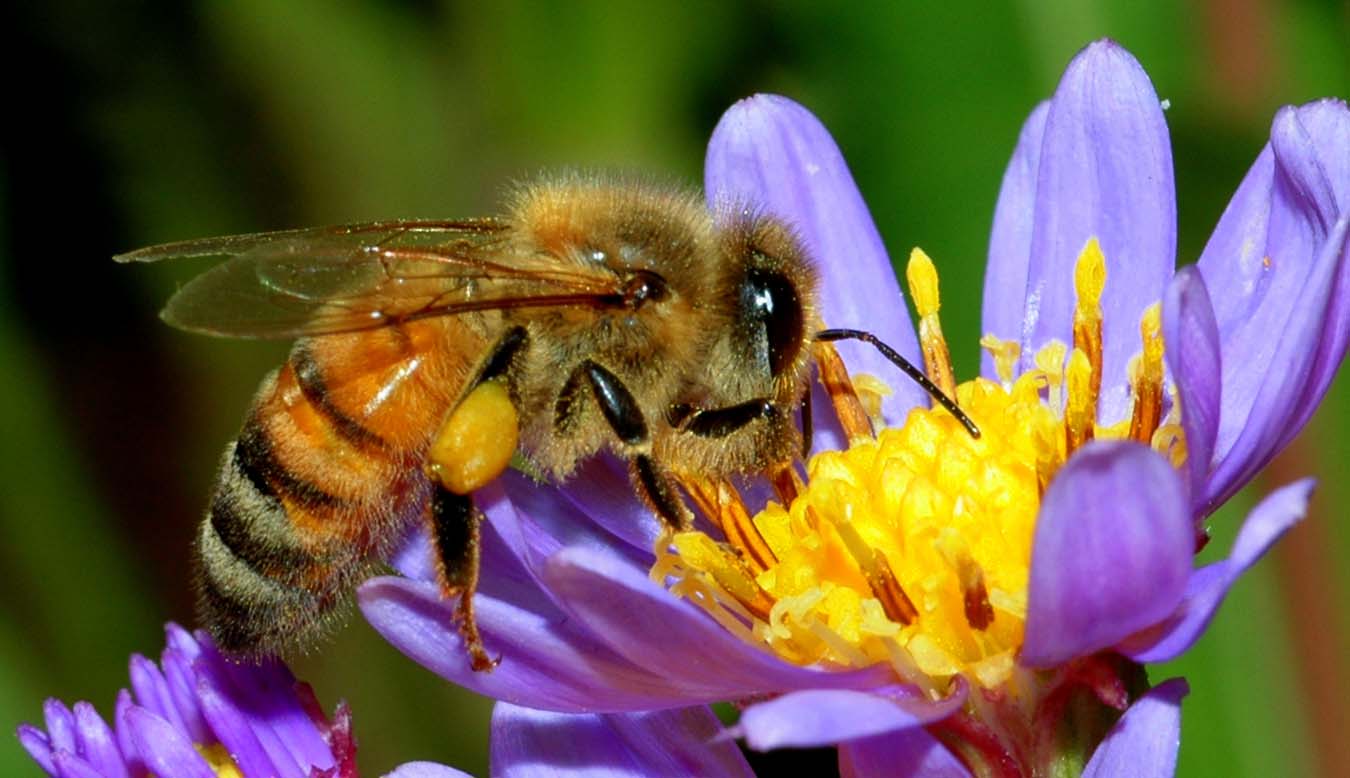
261	590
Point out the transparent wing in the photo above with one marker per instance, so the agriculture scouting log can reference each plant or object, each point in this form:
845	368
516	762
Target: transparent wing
341	279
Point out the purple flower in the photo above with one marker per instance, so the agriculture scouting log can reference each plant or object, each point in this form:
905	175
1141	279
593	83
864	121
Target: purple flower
929	599
197	715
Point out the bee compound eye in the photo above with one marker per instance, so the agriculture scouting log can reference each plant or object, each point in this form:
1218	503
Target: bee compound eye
769	298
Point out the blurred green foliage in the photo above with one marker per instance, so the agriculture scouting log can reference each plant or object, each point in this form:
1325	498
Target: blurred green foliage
140	122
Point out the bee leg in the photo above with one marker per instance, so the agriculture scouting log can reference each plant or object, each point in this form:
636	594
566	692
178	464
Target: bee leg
721	422
621	411
455	530
656	487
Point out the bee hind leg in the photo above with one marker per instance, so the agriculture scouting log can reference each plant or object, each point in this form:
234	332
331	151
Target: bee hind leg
455	531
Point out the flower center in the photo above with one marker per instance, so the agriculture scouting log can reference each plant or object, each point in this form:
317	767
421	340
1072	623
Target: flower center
913	547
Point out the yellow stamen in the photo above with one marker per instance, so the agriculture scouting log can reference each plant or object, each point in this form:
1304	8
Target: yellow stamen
1089	279
852	415
727	568
722	504
1005	354
871	391
1050	362
1148	381
923	287
786	483
1082	407
880	578
952	546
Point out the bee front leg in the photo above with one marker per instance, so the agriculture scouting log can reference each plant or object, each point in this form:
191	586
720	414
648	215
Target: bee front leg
721	422
455	524
625	418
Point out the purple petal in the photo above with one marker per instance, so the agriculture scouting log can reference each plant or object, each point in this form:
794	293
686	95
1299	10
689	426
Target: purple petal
821	717
260	698
164	749
125	744
152	691
60	725
1105	172
673	639
1275	267
1005	275
600	511
98	745
547	660
676	743
1208	586
425	770
38	746
69	765
179	684
1112	552
1143	744
912	753
600	490
769	152
1192	354
233	729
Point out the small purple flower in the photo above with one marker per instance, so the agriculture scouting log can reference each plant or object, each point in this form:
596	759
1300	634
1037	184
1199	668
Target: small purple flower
198	715
931	600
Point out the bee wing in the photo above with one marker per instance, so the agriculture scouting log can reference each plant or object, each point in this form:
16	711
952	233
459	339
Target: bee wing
356	277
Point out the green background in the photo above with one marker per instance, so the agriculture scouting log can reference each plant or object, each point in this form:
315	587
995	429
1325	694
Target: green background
134	123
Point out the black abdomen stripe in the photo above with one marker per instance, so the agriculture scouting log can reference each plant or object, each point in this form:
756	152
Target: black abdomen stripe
246	611
309	376
255	576
252	524
256	461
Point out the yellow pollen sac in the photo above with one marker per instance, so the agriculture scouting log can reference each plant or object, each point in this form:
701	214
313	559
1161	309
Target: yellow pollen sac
912	548
475	444
923	287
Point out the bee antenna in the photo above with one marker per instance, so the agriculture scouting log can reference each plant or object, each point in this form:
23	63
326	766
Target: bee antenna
908	369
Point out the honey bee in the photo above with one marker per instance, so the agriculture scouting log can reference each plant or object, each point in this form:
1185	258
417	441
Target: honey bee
595	316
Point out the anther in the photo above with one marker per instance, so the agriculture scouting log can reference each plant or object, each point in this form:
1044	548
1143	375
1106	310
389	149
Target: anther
1089	279
1081	411
1148	379
923	288
975	595
852	416
1004	354
1050	363
727	568
880	579
787	484
722	504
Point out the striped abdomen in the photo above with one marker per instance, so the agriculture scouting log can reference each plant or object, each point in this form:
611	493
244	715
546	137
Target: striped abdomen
325	474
